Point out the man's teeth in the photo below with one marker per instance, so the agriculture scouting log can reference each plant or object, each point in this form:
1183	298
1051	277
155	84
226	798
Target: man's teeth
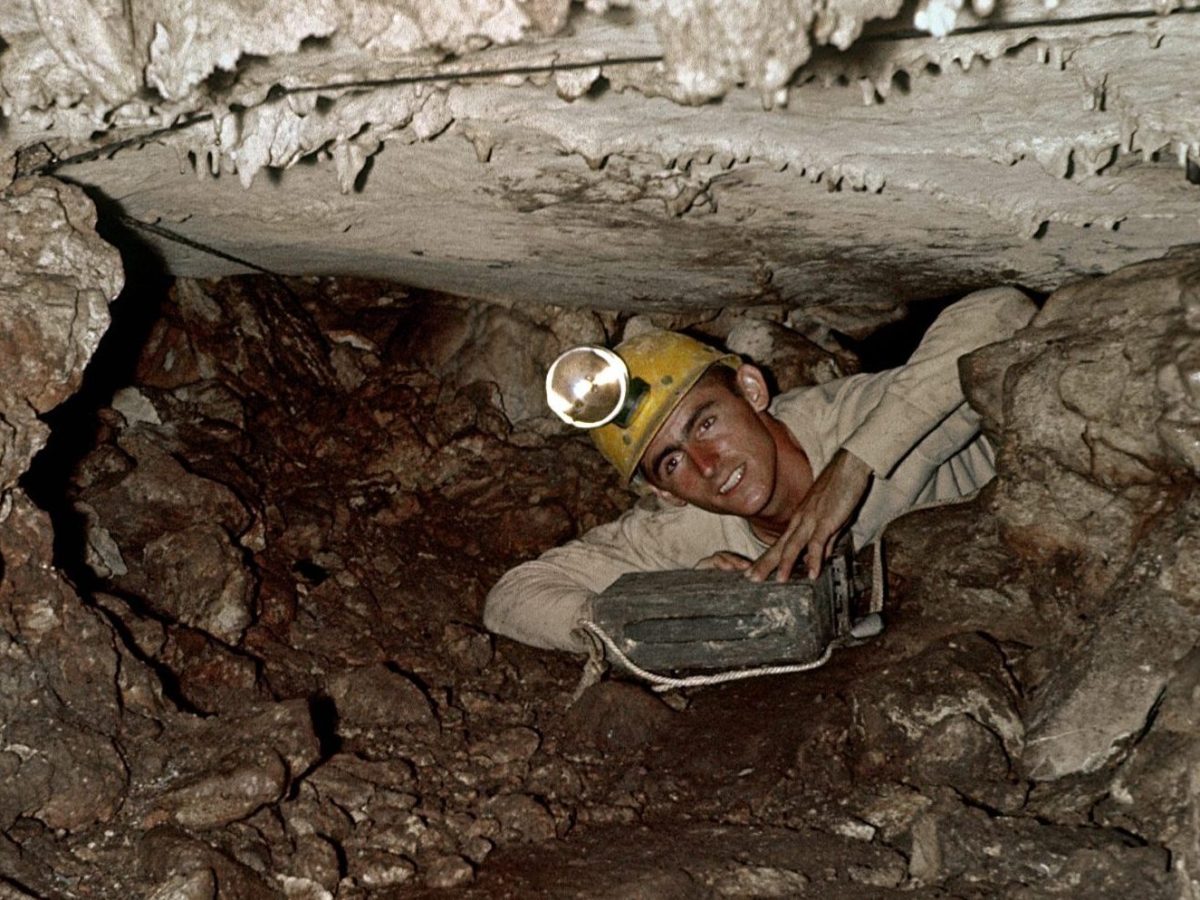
732	481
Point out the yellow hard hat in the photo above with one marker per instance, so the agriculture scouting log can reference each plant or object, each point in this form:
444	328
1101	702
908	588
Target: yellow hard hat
624	397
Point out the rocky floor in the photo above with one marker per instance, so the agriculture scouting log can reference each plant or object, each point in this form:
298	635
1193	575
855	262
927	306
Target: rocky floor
274	682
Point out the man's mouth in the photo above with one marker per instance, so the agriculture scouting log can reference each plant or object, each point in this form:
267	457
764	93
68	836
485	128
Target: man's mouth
733	480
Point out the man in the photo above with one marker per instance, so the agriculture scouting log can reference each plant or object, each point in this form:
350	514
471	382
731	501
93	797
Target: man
738	481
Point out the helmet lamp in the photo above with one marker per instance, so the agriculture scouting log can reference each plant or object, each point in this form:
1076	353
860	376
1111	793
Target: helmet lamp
588	386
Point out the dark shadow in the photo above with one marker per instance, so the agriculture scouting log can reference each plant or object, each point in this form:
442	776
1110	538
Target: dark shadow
360	180
325	724
599	88
168	680
892	344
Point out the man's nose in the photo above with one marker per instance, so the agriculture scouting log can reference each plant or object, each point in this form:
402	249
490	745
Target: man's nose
704	458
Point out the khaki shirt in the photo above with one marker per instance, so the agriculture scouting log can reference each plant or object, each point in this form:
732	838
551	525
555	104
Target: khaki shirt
910	424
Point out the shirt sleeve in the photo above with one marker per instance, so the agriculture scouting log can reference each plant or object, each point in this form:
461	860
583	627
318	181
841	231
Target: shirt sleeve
540	602
927	389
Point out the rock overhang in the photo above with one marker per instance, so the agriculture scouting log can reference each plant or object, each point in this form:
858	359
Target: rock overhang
641	157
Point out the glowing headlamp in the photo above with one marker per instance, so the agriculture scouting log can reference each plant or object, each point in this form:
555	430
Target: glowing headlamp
590	386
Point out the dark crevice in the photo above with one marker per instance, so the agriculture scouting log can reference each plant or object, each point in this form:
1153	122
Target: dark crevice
339	851
1006	662
325	721
990	811
169	681
25	889
74	423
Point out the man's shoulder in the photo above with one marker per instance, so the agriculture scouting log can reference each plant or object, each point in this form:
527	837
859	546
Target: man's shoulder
802	399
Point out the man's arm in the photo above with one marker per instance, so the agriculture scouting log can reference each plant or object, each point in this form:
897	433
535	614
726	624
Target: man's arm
540	602
919	396
927	389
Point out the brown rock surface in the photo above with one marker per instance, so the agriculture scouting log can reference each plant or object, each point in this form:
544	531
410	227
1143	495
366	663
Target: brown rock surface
58	279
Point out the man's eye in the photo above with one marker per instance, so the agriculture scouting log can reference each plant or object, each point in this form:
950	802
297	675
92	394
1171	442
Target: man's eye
707	423
670	465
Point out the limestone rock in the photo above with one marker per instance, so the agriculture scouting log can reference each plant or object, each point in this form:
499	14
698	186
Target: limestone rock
614	714
448	872
171	859
1091	407
172	531
1103	690
60	710
790	359
1154	792
375	696
521	818
1015	855
58	279
516	350
232	792
227	767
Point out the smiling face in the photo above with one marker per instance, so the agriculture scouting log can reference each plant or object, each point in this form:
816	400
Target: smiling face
718	450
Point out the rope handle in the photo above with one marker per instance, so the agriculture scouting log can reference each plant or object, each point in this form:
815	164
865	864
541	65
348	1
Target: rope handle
665	683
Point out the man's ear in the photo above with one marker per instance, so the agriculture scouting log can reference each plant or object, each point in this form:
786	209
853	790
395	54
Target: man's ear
666	496
752	385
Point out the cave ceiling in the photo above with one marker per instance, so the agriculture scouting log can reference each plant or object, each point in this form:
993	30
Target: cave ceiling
838	156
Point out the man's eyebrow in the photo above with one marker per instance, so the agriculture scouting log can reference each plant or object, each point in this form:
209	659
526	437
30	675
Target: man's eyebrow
687	429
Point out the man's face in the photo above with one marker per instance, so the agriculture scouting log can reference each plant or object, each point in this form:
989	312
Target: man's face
715	450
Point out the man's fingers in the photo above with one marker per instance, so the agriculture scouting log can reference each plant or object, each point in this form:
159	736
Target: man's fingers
818	552
815	556
764	565
788	557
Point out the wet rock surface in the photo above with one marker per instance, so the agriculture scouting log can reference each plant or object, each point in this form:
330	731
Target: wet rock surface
263	675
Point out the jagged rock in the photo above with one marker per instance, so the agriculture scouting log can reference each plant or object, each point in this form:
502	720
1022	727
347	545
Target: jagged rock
947	716
1023	858
1154	793
60	710
951	572
199	884
234	791
615	714
510	745
227	767
315	862
1091	409
355	783
790	359
173	534
516	350
212	678
471	647
377	696
1104	689
1086	462
379	869
448	872
758	881
58	279
520	817
171	858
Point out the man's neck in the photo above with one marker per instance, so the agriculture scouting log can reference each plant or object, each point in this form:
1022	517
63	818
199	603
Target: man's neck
793	478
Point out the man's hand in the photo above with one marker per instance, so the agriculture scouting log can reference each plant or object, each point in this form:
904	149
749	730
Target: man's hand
726	561
822	515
